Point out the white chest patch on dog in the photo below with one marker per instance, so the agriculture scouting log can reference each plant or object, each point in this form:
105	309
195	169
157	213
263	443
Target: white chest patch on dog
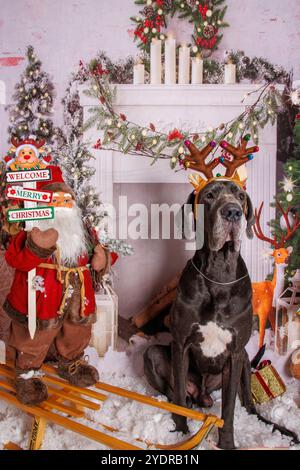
215	339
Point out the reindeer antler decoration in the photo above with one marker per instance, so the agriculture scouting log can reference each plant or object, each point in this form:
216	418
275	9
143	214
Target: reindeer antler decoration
197	159
37	143
284	237
240	155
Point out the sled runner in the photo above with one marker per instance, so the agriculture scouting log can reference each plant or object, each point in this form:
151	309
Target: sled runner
73	402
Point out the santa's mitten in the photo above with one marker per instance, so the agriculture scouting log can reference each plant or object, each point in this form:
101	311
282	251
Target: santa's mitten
101	259
42	243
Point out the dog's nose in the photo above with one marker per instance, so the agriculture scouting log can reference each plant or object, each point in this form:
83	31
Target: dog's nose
231	212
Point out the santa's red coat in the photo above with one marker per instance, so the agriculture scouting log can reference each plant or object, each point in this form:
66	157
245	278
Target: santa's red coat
20	257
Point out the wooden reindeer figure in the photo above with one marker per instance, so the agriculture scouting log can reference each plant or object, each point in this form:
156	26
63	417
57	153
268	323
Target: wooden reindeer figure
265	293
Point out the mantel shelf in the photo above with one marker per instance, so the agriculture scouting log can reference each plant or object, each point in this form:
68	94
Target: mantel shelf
181	95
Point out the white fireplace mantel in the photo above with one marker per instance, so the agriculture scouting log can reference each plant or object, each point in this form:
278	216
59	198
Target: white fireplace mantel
195	107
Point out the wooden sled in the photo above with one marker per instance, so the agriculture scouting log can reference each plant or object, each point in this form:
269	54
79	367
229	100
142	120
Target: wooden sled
72	401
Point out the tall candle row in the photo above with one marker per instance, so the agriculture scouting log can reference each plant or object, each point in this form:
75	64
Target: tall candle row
170	66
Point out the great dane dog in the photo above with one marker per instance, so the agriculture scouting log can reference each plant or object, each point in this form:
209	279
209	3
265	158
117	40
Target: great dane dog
211	318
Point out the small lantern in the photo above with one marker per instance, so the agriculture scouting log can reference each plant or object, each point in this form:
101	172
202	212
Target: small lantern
287	329
105	330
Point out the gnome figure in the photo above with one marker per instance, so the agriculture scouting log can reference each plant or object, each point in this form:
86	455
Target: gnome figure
65	301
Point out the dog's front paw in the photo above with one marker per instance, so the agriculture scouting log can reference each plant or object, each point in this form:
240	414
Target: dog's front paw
226	441
180	424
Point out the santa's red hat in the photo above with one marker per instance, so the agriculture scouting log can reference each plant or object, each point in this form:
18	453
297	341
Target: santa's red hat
56	183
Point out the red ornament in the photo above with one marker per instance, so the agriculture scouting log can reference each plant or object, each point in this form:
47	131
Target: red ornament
203	9
175	134
298	117
97	145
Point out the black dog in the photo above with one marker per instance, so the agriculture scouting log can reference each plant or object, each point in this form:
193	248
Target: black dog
211	318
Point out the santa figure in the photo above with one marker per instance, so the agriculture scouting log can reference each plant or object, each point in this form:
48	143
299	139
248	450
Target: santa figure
65	302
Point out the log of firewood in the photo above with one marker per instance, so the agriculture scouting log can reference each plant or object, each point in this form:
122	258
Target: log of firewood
164	298
126	328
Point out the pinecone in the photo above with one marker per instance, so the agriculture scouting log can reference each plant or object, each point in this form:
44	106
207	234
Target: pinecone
209	31
148	11
168	4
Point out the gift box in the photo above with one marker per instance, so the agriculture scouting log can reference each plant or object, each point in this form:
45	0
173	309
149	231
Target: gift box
105	330
266	383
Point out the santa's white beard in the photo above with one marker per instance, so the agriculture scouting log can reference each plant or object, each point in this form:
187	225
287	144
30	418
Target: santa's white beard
71	240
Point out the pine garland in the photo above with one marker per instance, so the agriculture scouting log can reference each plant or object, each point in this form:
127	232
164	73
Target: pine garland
128	137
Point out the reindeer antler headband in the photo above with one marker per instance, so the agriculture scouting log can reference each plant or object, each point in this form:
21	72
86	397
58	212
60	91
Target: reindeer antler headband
196	161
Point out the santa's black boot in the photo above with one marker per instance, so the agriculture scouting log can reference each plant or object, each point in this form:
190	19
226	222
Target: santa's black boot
77	372
31	390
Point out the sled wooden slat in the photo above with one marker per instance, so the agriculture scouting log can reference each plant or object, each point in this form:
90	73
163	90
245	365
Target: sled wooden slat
164	405
53	404
12	446
73	388
7	386
57	392
7	370
73	401
74	398
93	434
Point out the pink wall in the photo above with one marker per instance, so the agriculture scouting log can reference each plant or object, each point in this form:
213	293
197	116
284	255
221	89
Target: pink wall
65	31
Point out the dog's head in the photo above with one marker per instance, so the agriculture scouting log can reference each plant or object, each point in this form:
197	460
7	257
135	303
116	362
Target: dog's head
226	206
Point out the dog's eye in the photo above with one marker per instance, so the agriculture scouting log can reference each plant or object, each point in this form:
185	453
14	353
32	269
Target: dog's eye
241	196
209	196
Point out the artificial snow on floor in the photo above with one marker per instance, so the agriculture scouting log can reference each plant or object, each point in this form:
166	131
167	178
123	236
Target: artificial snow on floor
137	421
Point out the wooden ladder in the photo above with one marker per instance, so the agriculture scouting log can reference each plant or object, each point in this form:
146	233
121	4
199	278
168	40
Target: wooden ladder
72	401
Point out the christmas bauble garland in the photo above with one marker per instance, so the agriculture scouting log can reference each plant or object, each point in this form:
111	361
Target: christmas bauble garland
207	17
120	134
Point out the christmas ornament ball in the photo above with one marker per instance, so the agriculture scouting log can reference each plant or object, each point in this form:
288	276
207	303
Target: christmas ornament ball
295	364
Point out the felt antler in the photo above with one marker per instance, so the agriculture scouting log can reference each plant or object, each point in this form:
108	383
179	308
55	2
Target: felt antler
15	141
240	155
197	159
258	230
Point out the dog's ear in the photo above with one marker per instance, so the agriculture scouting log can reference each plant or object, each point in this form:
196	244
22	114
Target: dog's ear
249	217
182	217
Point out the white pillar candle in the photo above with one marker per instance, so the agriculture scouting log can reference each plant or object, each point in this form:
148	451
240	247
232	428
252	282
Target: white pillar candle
170	61
184	65
138	74
155	62
197	71
230	74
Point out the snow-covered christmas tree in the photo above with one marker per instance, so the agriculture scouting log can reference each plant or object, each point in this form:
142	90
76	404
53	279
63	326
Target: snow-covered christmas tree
74	158
34	94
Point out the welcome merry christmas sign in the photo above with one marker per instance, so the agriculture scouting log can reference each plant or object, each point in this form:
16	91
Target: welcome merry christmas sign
36	213
28	194
28	176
